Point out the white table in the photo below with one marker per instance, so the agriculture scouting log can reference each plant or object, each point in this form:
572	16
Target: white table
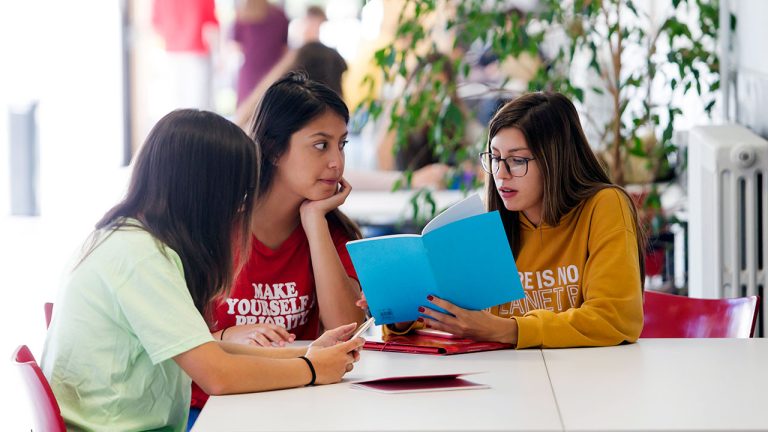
520	398
663	384
655	384
388	208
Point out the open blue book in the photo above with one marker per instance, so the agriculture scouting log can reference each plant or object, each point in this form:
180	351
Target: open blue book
462	256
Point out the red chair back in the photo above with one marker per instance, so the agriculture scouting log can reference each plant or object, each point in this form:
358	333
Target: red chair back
45	409
674	316
48	314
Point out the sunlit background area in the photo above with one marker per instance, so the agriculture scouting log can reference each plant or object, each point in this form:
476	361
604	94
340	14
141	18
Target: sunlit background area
83	82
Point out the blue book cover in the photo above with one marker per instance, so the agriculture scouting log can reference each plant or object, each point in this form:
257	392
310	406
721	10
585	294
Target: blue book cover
461	256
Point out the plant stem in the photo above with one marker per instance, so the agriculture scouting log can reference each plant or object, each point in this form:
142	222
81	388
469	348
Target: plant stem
618	168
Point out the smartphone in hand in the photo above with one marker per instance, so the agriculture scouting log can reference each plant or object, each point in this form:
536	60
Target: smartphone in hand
362	328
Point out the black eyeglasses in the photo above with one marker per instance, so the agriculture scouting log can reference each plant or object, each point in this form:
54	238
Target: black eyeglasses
516	166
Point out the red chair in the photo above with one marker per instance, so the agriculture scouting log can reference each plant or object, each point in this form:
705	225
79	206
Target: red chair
48	314
45	409
674	316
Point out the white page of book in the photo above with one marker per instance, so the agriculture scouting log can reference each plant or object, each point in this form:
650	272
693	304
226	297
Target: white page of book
469	206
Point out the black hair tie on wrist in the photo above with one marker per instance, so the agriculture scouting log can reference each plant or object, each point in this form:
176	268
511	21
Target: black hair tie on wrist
311	369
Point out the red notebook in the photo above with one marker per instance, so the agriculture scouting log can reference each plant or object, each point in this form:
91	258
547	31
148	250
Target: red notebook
431	342
419	383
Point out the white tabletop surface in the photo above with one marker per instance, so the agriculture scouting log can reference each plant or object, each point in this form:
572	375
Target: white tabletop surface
663	384
520	398
386	208
655	384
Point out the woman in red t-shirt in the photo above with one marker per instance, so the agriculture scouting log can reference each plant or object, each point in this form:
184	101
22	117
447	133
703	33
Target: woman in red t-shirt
299	278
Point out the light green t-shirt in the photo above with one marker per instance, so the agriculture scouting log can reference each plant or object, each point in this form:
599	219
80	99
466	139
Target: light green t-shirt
120	318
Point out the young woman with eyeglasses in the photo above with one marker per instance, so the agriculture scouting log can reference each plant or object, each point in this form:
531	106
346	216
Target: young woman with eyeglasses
575	235
299	278
129	327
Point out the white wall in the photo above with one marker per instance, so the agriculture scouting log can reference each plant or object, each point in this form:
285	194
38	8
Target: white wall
751	63
66	55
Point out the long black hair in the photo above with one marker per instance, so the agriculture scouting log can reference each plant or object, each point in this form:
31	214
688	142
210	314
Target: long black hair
570	170
193	187
287	106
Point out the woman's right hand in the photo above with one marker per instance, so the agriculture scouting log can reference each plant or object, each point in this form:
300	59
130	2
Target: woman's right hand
331	363
266	335
334	336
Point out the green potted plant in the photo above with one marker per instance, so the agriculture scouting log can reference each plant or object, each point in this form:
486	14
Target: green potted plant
635	138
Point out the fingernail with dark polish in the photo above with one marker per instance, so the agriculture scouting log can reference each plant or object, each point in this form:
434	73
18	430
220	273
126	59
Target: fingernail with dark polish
420	319
421	309
430	297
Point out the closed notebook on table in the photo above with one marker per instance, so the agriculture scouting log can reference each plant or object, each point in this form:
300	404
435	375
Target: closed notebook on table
419	383
434	344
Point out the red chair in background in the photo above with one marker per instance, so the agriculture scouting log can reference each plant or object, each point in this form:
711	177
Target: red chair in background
674	316
48	314
45	409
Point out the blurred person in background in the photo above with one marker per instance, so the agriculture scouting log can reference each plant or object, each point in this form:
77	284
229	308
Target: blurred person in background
307	28
189	29
323	64
261	31
319	62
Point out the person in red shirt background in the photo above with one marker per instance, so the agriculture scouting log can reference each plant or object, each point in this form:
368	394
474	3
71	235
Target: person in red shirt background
299	278
190	30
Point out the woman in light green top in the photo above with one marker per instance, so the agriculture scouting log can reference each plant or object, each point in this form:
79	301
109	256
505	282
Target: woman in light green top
129	328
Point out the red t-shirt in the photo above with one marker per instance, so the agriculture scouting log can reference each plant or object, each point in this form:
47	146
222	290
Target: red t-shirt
277	287
181	23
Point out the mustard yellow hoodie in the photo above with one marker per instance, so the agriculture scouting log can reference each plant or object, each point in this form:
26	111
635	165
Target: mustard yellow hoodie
581	278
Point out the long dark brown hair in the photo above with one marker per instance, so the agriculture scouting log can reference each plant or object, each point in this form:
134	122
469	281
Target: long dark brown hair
570	170
287	106
193	187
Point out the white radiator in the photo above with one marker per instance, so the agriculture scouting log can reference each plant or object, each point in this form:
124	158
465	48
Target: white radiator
728	214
